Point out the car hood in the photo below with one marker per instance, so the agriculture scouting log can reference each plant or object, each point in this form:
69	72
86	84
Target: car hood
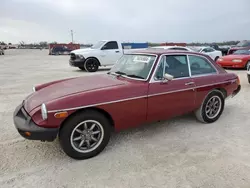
70	87
83	51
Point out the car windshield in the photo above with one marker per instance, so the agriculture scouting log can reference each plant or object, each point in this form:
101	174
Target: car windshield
242	52
243	44
98	45
134	65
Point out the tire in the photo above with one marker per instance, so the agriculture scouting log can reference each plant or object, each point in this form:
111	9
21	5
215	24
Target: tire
248	78
82	68
70	131
247	64
216	58
201	114
91	65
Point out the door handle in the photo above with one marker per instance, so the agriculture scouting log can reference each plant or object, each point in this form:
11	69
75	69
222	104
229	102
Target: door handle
117	51
189	83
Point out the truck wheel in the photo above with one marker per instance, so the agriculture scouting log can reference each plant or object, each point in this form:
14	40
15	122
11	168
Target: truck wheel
91	65
85	135
216	58
211	108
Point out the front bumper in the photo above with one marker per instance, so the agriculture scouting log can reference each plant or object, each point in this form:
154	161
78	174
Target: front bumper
231	65
29	130
77	62
235	92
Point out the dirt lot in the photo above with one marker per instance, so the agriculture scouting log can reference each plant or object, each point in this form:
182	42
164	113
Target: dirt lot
179	153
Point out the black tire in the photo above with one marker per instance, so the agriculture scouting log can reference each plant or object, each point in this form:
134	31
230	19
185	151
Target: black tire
91	65
216	58
248	78
69	132
247	64
82	68
201	114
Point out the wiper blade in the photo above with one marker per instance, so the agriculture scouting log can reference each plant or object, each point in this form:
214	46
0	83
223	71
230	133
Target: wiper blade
135	76
121	73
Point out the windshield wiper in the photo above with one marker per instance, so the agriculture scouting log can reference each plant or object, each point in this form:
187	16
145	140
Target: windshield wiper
121	73
135	76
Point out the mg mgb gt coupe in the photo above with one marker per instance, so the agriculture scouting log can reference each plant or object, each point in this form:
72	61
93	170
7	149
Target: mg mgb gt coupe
142	87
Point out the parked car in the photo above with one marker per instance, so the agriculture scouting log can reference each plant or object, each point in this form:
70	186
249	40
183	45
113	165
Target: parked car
245	44
60	50
1	51
104	53
214	54
223	49
239	59
142	87
172	48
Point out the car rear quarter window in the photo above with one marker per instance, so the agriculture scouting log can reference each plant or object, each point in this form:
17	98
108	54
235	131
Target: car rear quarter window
200	66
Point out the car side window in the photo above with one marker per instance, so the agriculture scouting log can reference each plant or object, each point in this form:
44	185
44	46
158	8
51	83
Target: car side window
200	65
175	65
112	45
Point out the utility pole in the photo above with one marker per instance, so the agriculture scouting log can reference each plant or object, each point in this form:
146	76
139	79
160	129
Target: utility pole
72	36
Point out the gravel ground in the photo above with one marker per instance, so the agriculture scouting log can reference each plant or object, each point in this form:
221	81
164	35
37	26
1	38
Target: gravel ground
180	152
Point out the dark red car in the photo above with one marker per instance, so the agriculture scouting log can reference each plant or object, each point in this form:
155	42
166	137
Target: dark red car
142	87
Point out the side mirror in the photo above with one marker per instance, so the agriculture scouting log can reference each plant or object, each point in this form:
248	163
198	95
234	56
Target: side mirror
167	77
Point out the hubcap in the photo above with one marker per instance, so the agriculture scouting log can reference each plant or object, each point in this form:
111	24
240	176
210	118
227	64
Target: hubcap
91	65
87	136
213	107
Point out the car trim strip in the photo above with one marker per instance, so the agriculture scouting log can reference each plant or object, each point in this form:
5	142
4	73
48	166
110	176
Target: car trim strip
133	98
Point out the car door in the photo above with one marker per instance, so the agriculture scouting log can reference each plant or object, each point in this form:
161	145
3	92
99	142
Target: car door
171	98
110	53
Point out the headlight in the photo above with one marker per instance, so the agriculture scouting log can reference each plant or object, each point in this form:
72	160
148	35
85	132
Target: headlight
44	112
237	60
220	59
34	89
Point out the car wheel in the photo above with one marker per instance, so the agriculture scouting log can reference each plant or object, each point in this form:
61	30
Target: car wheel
85	135
216	58
91	65
248	78
211	108
247	65
82	68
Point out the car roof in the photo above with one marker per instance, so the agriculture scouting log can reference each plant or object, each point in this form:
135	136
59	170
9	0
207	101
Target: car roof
156	51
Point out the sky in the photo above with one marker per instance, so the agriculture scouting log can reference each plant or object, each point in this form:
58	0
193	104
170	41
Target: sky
124	20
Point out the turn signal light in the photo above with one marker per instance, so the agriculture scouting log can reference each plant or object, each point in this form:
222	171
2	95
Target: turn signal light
61	115
27	133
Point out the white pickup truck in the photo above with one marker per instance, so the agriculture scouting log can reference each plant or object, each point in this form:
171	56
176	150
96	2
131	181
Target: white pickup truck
104	53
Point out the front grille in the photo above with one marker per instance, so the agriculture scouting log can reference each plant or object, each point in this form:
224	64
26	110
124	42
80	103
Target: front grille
72	56
22	114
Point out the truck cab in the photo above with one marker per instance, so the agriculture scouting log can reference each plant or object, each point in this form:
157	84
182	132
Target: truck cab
104	53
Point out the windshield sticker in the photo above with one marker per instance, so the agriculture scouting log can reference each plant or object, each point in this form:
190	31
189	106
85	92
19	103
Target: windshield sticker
142	59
